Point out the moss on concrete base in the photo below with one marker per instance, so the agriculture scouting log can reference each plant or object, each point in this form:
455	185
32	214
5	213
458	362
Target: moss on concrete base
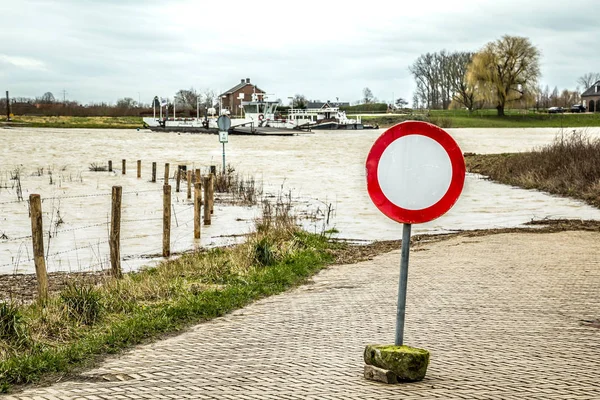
408	363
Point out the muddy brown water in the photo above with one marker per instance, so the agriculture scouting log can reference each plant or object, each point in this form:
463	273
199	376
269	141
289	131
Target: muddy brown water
324	170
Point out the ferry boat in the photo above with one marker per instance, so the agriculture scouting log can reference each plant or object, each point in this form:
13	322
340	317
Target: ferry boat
261	117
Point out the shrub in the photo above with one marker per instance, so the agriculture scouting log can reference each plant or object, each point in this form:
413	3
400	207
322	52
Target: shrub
83	303
97	167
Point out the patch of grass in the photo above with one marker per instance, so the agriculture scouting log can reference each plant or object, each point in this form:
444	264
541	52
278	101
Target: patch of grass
83	303
244	190
570	167
489	119
78	122
264	253
12	327
83	322
95	167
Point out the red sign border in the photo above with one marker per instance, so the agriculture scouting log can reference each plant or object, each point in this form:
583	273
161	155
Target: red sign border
457	181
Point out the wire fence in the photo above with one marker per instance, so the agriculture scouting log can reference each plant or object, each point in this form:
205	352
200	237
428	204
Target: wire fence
76	232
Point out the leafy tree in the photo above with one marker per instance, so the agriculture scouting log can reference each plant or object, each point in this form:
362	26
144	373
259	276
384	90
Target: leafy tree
401	103
587	80
505	70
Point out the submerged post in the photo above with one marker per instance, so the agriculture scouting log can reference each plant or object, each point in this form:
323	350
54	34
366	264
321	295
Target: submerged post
189	184
207	219
211	192
124	168
139	168
109	165
178	183
154	172
7	106
166	221
197	208
402	284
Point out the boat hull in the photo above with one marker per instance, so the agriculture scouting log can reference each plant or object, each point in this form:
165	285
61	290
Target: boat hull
332	126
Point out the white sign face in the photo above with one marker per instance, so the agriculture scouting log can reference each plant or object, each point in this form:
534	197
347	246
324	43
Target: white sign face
414	172
223	136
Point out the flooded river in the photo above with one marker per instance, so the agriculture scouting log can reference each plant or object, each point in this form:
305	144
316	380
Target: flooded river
321	169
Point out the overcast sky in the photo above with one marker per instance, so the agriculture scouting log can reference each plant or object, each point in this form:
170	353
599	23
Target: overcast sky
108	49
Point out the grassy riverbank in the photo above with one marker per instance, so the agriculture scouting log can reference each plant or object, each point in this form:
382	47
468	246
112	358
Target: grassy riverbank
78	122
442	118
489	119
569	167
83	322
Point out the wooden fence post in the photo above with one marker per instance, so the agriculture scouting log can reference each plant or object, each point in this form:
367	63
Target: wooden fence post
166	220
109	165
207	219
177	185
37	237
139	168
189	183
124	169
166	173
154	172
198	175
114	239
197	207
211	192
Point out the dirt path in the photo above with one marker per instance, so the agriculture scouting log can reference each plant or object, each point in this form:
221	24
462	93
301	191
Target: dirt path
504	316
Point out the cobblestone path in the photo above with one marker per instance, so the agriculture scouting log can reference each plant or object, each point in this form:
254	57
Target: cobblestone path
503	316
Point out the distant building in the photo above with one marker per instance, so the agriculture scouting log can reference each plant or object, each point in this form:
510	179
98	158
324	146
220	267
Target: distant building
328	104
243	91
591	98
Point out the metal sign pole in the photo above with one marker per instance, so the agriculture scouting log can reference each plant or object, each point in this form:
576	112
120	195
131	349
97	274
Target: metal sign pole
400	311
223	158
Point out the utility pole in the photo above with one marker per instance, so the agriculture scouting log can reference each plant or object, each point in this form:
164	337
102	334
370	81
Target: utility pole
64	97
7	107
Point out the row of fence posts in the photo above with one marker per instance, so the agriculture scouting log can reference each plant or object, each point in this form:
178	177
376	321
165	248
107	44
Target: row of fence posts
194	178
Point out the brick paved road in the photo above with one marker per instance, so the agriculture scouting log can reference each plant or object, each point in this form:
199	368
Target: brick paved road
500	314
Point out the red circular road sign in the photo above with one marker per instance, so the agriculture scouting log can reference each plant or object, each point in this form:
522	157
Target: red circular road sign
415	172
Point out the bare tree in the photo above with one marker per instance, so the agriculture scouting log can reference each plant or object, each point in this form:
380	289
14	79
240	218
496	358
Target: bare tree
299	101
126	103
463	91
367	96
47	98
587	80
439	77
554	97
186	99
209	98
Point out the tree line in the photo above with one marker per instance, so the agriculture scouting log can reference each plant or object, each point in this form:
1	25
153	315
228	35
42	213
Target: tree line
503	73
185	101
